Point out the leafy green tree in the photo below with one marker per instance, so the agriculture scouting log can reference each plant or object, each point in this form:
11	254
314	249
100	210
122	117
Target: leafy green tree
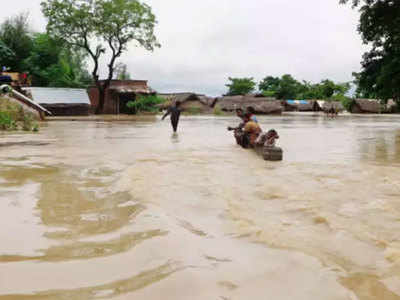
6	54
379	27
269	86
44	54
241	86
288	87
15	34
52	63
98	25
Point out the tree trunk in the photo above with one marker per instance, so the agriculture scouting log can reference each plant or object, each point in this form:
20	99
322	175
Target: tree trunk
102	96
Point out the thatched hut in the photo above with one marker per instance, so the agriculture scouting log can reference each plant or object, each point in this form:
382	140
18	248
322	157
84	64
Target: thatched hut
261	105
336	105
309	105
289	105
190	102
365	106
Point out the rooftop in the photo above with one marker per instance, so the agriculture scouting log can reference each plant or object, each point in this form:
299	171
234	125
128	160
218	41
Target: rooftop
59	95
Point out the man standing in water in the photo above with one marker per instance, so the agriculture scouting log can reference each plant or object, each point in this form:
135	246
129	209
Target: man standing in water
175	112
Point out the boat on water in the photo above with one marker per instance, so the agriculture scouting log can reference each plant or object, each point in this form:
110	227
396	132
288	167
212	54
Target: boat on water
265	144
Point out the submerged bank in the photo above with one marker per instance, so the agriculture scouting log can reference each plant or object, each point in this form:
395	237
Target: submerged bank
125	210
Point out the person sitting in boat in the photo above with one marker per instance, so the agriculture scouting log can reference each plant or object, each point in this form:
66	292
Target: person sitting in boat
251	132
241	115
238	131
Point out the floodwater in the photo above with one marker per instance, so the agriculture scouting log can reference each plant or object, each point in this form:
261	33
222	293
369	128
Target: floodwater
127	210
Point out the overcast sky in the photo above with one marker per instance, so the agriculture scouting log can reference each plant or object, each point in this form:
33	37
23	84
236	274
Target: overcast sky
205	42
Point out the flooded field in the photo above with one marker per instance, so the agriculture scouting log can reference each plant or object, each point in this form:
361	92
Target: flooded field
127	210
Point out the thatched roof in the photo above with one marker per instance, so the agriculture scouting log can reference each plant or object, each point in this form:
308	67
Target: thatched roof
366	106
261	105
209	101
129	87
289	105
338	106
182	97
189	101
308	105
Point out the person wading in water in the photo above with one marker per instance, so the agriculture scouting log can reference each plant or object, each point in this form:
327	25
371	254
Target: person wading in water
175	113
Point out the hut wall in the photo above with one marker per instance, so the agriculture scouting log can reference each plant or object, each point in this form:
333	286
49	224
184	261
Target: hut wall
78	109
356	109
110	101
289	107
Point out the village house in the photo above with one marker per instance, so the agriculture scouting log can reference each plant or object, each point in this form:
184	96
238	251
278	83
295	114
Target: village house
261	105
61	101
365	106
118	94
308	105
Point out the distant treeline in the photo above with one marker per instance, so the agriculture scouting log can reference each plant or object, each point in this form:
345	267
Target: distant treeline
287	87
49	62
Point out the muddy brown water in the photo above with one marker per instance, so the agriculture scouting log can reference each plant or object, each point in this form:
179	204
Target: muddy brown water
127	210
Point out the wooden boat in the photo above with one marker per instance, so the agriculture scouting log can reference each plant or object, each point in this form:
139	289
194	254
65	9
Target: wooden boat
265	144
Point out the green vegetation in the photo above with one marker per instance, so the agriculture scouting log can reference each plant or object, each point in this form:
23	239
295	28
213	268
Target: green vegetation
241	86
379	27
108	24
16	36
145	104
50	62
288	87
14	117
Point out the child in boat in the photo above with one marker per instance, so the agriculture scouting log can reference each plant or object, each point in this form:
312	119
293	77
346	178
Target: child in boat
175	113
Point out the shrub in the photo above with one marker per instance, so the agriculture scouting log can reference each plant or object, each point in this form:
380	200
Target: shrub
14	117
145	104
6	121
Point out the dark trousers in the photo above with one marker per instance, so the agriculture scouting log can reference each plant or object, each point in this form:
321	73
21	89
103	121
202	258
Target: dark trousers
174	122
